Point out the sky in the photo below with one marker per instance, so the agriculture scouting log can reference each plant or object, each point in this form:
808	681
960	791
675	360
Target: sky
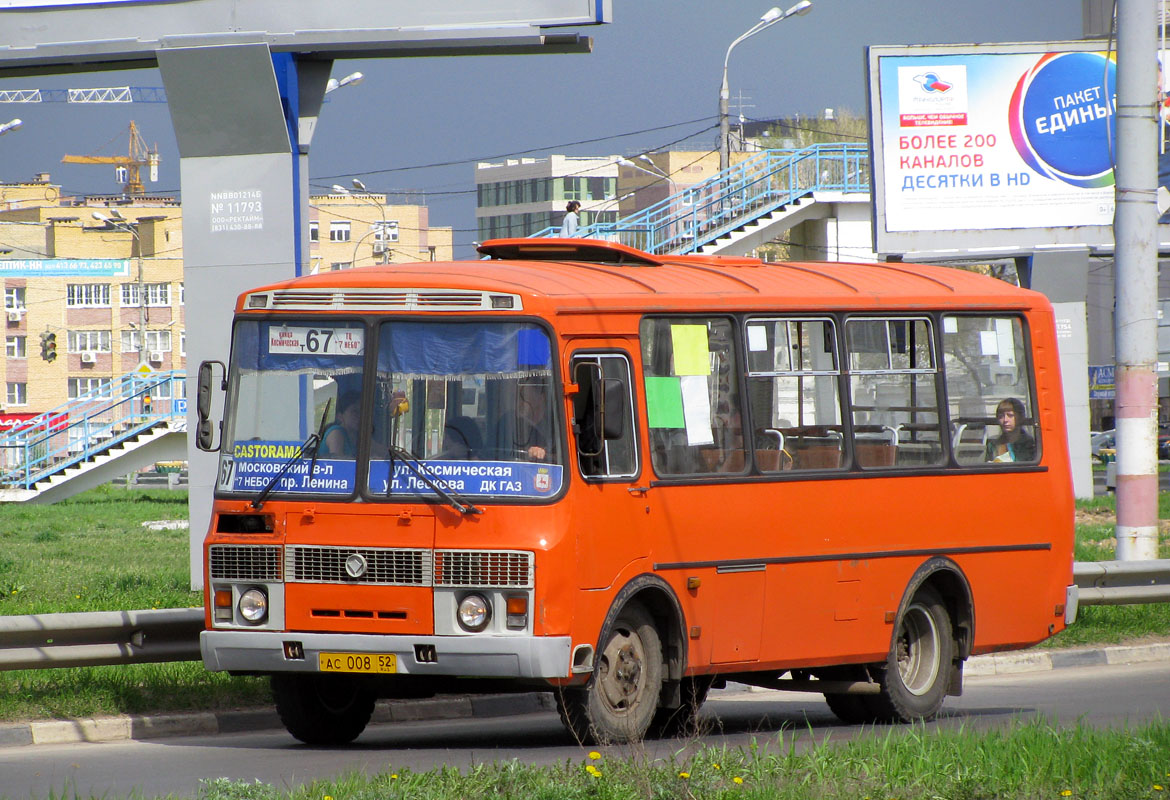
652	79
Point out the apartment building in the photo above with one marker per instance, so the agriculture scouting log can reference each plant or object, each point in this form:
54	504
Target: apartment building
352	229
97	281
521	196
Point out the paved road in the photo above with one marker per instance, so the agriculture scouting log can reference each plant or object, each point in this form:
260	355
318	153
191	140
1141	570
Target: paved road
1100	696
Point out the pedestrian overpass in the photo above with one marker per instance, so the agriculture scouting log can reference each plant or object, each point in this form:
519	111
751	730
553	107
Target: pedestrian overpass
747	205
132	422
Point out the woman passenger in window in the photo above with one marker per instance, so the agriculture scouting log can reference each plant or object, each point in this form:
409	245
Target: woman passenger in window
341	436
1013	443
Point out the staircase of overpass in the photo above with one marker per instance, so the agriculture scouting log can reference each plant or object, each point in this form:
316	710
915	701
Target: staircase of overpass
131	422
744	206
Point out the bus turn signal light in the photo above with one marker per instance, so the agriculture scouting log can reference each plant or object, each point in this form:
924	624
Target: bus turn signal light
517	611
223	605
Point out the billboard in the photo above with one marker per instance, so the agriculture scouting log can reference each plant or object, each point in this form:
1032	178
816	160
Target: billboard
996	148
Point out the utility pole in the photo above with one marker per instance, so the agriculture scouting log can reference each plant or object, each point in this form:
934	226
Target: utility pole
1135	226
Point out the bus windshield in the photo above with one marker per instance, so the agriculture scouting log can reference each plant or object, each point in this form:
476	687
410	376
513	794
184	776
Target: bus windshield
467	406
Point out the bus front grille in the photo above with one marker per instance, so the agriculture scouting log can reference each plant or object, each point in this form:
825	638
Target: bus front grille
245	562
487	568
375	565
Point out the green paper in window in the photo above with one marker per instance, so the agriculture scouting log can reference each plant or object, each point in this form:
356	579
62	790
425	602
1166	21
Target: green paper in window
690	350
664	407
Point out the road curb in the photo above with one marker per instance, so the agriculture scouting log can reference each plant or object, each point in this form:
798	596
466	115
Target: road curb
1039	660
157	726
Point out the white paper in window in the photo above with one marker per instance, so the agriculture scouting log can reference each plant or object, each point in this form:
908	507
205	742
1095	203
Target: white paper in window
757	338
696	409
950	325
988	345
1007	344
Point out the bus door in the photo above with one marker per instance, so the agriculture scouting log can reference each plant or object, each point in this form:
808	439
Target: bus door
608	465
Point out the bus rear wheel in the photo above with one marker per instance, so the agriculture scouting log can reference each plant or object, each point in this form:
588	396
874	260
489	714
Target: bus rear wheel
322	709
619	702
914	679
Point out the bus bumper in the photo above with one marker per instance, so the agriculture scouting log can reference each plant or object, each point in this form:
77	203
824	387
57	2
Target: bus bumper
465	656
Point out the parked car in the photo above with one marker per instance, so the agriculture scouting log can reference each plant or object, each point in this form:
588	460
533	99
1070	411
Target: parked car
1103	446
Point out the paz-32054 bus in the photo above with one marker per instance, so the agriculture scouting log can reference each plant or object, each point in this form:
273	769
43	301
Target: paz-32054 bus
626	478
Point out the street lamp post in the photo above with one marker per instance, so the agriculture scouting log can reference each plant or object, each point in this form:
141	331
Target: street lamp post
352	79
361	187
657	172
116	220
770	18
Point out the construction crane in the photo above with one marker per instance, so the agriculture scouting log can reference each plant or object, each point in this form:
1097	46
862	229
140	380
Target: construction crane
129	166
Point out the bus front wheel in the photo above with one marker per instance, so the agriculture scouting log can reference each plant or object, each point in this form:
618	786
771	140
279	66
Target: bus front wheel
619	702
915	676
322	709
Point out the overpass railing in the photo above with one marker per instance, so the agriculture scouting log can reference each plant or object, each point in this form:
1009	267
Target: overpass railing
89	425
700	214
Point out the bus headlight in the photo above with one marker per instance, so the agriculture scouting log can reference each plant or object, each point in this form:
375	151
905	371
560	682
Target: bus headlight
253	605
474	612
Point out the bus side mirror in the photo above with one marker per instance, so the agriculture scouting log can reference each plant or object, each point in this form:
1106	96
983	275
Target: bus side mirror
613	412
598	409
205	388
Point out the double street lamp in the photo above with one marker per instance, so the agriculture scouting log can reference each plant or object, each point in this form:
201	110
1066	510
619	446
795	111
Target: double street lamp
769	19
657	172
384	231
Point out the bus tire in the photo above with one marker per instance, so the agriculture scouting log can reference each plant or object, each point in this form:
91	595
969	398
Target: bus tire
683	721
322	709
620	700
915	676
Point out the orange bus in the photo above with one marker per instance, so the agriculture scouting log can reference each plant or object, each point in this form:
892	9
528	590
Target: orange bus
627	478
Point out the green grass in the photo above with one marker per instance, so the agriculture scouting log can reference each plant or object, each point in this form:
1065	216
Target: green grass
93	554
1025	761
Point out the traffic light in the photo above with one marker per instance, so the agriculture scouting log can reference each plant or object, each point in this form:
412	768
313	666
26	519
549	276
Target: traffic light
49	346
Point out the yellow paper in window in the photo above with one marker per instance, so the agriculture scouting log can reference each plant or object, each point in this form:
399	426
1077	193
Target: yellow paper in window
691	356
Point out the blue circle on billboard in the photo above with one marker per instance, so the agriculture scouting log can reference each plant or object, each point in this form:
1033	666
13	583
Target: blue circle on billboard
1068	114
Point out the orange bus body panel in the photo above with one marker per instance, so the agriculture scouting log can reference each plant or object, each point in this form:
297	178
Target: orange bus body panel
837	551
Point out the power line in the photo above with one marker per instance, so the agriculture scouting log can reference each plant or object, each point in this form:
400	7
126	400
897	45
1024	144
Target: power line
524	150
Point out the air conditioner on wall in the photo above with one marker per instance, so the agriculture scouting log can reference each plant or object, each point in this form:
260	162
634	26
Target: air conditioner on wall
88	358
380	247
14	316
156	356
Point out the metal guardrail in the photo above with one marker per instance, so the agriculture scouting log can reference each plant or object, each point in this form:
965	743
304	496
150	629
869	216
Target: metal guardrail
88	639
133	637
1113	583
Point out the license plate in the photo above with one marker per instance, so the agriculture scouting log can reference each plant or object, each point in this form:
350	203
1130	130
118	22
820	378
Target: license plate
377	663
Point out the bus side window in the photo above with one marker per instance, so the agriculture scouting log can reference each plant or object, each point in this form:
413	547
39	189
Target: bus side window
692	396
893	390
793	394
613	452
988	372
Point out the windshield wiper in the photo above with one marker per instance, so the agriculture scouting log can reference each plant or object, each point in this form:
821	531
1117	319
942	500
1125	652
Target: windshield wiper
450	496
310	447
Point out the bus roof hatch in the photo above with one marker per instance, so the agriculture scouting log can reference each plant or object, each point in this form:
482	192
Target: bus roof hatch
591	250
